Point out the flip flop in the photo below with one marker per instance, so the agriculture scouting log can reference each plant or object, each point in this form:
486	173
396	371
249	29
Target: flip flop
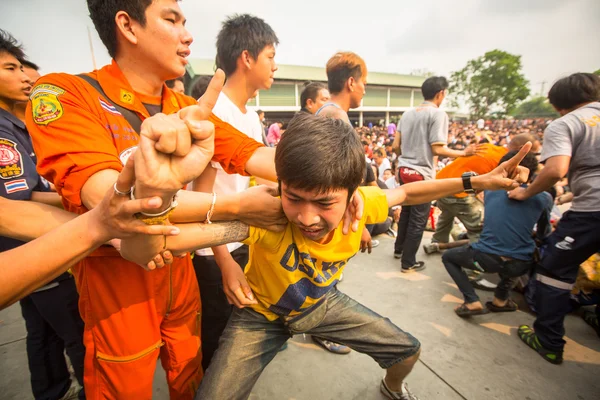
508	307
464	312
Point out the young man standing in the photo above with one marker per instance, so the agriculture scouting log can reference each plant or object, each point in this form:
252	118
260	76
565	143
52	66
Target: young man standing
422	134
245	52
51	316
84	128
293	274
571	148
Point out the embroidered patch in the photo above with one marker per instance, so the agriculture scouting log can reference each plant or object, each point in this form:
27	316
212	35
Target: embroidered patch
16	186
126	97
125	154
11	161
45	104
108	107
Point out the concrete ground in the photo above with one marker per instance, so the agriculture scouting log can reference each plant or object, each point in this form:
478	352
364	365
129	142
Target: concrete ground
480	358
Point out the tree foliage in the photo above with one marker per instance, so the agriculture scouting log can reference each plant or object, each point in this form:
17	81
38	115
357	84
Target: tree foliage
491	83
538	107
597	72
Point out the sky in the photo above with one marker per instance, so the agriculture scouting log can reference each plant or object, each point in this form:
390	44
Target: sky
554	37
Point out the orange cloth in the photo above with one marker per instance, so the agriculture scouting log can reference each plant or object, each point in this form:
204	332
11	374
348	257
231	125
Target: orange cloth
131	315
481	164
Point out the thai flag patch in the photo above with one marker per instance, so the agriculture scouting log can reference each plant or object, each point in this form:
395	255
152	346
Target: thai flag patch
16	186
109	107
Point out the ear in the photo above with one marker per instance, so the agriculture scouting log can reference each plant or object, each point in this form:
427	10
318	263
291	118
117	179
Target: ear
246	59
350	83
126	27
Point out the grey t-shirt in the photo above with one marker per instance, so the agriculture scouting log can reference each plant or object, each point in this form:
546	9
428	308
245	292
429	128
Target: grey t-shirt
420	128
577	135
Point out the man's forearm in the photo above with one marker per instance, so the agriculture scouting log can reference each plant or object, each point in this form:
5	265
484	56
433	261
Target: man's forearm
444	151
544	181
193	207
49	198
28	220
198	236
262	164
424	191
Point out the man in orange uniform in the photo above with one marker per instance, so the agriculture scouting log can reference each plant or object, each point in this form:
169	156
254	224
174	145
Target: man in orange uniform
465	206
84	128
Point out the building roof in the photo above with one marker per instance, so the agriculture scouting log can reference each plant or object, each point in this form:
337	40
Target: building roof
198	66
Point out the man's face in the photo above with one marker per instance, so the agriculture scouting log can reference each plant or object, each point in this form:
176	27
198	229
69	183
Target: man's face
33	76
321	98
315	214
164	42
263	68
357	95
387	174
178	87
15	85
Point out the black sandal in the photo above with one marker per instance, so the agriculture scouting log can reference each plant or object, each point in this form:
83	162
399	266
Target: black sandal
464	312
510	306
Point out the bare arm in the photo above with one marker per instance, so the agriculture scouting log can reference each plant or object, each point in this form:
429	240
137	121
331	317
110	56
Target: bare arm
262	164
554	170
397	144
50	198
440	149
198	236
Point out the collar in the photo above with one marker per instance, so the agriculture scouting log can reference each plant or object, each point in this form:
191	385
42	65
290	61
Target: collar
118	89
429	103
9	116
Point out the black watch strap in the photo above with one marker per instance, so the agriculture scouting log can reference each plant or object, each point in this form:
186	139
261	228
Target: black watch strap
466	179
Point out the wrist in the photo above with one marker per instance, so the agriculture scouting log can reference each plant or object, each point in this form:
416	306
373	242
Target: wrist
95	232
142	192
478	182
227	207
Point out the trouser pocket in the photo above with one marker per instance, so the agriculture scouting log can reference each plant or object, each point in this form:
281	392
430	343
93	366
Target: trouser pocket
308	320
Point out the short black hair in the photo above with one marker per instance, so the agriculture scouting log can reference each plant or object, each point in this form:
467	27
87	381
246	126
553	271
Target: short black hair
260	112
10	45
311	91
171	82
573	90
103	12
529	161
239	33
318	153
29	64
433	86
200	86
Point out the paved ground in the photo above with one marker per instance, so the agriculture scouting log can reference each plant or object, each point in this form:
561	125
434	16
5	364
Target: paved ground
481	358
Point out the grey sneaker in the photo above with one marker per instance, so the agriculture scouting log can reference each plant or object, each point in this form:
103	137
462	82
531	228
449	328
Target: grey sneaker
73	392
431	248
374	243
404	395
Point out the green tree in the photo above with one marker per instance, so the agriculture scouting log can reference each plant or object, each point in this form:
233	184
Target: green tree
491	83
538	107
597	72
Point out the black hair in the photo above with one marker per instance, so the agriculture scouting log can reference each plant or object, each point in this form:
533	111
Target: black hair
260	112
171	82
529	161
239	33
333	142
103	12
200	86
10	45
573	90
433	86
311	91
29	64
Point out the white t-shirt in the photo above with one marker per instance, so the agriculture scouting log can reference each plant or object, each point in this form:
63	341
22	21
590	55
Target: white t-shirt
225	183
385	164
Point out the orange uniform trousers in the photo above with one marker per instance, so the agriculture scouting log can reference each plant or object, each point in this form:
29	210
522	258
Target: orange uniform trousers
133	316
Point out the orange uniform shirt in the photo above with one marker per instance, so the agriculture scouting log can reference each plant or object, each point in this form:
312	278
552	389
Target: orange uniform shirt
480	163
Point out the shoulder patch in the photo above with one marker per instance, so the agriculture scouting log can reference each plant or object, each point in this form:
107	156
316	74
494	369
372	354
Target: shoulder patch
11	161
45	105
16	186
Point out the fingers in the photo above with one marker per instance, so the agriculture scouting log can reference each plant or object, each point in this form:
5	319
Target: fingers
148	205
126	178
353	213
511	164
209	99
169	134
370	245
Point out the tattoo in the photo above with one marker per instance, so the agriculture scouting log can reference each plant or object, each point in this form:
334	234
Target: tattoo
226	232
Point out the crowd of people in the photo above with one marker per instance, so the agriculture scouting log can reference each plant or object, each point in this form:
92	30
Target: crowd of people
118	178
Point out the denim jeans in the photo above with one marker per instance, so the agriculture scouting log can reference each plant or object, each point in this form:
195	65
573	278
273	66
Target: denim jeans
412	223
469	258
250	342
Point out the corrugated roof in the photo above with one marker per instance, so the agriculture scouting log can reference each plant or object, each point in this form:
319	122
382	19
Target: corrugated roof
199	66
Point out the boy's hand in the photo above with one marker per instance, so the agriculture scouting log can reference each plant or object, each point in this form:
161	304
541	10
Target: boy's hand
354	213
235	285
365	241
260	206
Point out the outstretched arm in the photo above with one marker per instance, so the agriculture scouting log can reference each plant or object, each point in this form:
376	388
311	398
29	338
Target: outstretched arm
198	235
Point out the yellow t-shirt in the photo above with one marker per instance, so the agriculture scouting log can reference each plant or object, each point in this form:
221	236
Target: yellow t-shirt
289	273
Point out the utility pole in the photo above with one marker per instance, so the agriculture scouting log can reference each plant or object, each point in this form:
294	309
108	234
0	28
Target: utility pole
543	84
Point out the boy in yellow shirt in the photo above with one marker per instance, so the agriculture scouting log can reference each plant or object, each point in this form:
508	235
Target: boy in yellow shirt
290	280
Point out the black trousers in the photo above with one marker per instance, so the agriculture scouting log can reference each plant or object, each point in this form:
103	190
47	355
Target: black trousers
215	307
53	325
412	223
575	239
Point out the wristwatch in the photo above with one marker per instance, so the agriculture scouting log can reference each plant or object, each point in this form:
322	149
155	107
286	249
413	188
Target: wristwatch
466	178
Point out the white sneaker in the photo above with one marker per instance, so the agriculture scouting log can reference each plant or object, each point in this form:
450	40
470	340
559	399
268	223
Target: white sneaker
374	243
404	395
73	392
431	248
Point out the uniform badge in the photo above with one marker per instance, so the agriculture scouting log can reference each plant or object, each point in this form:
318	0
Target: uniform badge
11	161
45	104
126	97
16	186
125	154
